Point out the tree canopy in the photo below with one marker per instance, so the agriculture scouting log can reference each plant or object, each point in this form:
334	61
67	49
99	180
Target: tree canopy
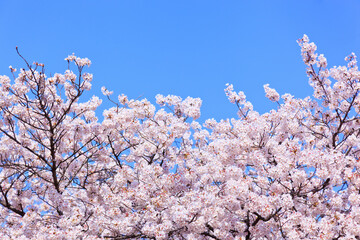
147	172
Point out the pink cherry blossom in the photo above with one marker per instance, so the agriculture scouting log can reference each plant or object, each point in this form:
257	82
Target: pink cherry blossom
155	172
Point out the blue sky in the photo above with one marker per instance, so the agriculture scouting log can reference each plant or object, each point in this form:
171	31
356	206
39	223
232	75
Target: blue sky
186	48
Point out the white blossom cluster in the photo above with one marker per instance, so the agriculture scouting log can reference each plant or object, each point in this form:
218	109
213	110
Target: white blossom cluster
271	93
147	172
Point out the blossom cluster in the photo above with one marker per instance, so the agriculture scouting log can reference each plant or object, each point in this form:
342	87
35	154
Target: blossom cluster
155	172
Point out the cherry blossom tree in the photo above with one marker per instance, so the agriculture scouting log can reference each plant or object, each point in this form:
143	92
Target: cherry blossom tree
155	172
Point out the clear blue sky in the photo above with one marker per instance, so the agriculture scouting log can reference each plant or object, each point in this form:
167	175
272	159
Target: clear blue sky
186	48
